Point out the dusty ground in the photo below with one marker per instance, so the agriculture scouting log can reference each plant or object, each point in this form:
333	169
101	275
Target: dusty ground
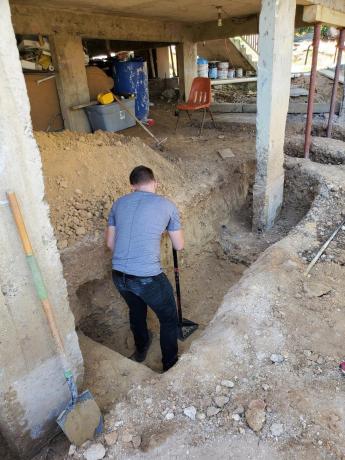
277	338
269	308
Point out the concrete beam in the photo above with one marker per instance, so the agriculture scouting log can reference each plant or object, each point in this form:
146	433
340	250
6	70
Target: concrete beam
71	81
32	385
48	21
274	73
186	53
231	28
320	13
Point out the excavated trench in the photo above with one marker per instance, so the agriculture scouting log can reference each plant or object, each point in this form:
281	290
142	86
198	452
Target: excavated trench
221	246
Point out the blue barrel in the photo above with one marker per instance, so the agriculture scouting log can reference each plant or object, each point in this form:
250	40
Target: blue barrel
131	78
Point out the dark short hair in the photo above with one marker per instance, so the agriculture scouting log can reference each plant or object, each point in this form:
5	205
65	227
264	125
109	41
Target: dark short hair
141	175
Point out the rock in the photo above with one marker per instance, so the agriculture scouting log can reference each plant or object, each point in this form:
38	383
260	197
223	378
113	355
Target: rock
277	429
236	417
136	441
190	412
221	136
72	449
220	401
111	438
201	416
227	383
211	411
78	191
218	389
265	387
118	423
226	153
62	244
256	414
64	184
80	231
239	410
277	359
126	437
169	416
241	430
95	452
315	289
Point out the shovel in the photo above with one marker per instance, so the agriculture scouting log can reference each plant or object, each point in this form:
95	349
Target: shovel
186	327
81	419
159	143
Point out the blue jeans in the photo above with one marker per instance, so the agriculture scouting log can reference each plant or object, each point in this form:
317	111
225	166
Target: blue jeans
157	293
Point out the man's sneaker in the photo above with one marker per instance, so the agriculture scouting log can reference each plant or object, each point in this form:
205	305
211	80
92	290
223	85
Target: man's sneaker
342	367
140	356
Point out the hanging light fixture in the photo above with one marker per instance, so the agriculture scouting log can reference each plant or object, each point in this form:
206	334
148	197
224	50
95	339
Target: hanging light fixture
220	21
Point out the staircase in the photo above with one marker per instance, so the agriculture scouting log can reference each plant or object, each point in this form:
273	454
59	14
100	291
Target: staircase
247	45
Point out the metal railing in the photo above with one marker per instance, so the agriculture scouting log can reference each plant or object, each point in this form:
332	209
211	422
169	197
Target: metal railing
252	41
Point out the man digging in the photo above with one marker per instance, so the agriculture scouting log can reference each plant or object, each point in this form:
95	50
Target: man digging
135	226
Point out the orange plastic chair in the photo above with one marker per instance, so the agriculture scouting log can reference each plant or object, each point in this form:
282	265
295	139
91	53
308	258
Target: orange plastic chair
199	99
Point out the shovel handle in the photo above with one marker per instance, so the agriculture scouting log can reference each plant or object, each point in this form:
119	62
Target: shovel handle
17	215
136	118
36	273
177	283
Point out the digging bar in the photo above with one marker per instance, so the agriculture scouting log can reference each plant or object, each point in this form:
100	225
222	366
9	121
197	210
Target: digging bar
186	327
81	419
158	142
323	248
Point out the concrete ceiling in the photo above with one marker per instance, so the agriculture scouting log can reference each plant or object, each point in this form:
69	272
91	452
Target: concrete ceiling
190	11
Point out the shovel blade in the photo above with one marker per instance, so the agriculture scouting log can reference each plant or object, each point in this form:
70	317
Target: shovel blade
186	328
81	421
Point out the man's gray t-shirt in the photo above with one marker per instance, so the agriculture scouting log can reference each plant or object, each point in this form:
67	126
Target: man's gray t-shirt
140	219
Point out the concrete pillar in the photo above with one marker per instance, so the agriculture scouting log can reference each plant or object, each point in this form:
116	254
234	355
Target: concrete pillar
32	384
276	29
186	66
163	62
68	58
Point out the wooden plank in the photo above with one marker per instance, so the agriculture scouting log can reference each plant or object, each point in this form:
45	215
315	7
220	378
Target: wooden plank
320	13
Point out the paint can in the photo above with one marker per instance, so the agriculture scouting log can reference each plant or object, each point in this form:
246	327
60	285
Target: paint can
231	73
239	72
222	70
202	67
212	69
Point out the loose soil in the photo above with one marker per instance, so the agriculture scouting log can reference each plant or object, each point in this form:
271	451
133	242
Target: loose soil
267	308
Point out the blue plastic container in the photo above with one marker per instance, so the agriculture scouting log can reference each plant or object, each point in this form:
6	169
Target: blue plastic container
212	70
131	78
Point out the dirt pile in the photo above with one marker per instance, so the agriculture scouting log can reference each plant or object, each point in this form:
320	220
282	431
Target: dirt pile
85	173
267	362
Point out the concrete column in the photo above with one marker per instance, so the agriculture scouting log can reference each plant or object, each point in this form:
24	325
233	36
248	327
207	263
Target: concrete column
163	62
32	386
68	58
276	29
186	66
